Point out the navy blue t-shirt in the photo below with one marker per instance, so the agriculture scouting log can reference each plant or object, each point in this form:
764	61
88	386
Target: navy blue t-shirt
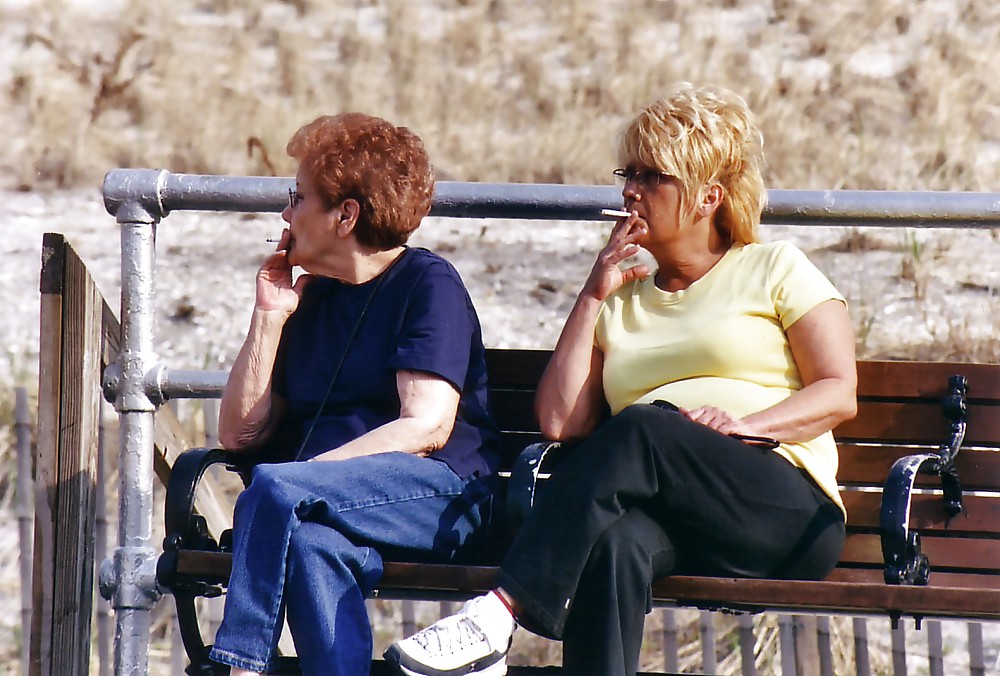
419	318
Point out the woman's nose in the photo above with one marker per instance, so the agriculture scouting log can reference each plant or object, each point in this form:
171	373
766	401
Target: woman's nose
286	215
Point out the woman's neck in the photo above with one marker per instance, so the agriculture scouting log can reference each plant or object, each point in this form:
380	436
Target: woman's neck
685	263
358	265
367	266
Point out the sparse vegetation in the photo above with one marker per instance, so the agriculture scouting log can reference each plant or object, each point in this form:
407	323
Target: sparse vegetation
859	94
881	95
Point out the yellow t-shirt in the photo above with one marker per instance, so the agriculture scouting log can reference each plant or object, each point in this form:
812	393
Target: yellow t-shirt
721	342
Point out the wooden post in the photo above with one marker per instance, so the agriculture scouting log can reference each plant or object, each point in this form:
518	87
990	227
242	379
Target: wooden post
935	648
671	663
104	620
899	649
22	435
79	336
68	395
806	650
709	665
977	660
409	616
786	636
823	647
861	661
748	644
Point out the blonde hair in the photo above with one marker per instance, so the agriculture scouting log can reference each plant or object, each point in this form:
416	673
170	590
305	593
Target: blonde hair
701	136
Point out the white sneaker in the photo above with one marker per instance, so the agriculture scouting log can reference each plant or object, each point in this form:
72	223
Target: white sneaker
475	640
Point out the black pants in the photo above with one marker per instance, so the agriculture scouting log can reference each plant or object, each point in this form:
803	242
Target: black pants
651	493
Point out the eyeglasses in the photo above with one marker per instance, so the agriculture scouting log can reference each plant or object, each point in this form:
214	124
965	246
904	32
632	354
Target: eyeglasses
644	177
294	197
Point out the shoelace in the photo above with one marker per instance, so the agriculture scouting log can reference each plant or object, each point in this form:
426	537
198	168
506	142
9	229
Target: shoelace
448	637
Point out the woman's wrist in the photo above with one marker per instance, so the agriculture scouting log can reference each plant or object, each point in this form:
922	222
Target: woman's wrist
266	318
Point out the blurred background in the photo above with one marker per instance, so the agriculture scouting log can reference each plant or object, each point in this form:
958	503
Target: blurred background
852	94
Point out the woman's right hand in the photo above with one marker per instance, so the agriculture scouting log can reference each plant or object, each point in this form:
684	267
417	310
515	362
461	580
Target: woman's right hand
275	291
606	277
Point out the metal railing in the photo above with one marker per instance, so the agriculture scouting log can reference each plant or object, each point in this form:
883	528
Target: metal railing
138	383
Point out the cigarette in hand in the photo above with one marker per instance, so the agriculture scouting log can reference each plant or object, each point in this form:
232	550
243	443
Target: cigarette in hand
271	240
615	213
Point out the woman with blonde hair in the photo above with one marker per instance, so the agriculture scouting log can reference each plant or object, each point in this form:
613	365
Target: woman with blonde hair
699	398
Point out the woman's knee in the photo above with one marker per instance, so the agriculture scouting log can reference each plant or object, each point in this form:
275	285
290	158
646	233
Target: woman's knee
316	551
634	543
271	486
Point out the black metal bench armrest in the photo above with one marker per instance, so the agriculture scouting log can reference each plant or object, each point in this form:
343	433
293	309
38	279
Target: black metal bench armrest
183	526
904	562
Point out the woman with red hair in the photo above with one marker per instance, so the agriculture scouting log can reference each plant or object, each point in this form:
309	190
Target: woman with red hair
372	366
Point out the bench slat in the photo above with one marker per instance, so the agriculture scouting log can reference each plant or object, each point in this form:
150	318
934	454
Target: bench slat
950	553
979	469
878	378
981	516
937	579
849	597
917	423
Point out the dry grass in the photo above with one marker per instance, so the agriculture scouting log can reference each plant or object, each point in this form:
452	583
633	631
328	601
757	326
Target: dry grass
856	94
864	94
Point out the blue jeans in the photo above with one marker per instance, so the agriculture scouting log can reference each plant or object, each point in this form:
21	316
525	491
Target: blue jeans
310	537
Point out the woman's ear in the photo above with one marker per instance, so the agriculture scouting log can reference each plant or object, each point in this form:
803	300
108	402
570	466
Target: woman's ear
711	200
348	210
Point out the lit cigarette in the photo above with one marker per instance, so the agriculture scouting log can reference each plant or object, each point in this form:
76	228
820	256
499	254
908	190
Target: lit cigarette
272	241
615	213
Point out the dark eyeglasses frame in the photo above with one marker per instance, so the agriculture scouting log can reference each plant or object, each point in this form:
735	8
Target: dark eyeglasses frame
294	198
646	177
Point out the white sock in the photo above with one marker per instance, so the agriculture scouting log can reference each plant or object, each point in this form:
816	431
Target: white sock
493	618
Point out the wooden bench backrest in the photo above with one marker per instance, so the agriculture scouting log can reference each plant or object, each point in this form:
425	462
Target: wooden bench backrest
899	413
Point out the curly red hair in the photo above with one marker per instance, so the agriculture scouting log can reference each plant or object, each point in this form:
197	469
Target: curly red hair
365	158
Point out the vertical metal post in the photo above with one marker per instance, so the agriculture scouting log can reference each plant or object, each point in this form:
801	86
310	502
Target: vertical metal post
134	559
25	515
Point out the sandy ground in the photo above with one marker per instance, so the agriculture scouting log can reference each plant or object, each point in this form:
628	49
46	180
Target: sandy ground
928	293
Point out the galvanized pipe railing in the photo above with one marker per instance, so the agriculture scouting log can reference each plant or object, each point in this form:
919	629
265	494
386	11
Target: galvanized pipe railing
137	383
161	192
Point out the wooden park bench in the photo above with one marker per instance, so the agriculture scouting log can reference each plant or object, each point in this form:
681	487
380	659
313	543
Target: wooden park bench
919	473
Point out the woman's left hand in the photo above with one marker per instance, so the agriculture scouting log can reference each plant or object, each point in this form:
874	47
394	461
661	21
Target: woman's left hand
717	419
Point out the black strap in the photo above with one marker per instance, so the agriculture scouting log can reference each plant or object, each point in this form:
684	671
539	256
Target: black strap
343	358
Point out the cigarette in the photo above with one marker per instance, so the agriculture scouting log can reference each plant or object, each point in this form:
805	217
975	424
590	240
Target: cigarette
615	213
272	241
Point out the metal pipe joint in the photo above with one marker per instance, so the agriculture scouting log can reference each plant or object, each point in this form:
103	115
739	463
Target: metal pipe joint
128	580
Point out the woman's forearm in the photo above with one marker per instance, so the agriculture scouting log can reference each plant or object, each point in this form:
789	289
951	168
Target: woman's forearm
246	407
808	413
427	411
403	435
570	399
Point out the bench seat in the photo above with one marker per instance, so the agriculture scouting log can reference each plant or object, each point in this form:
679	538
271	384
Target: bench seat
906	410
